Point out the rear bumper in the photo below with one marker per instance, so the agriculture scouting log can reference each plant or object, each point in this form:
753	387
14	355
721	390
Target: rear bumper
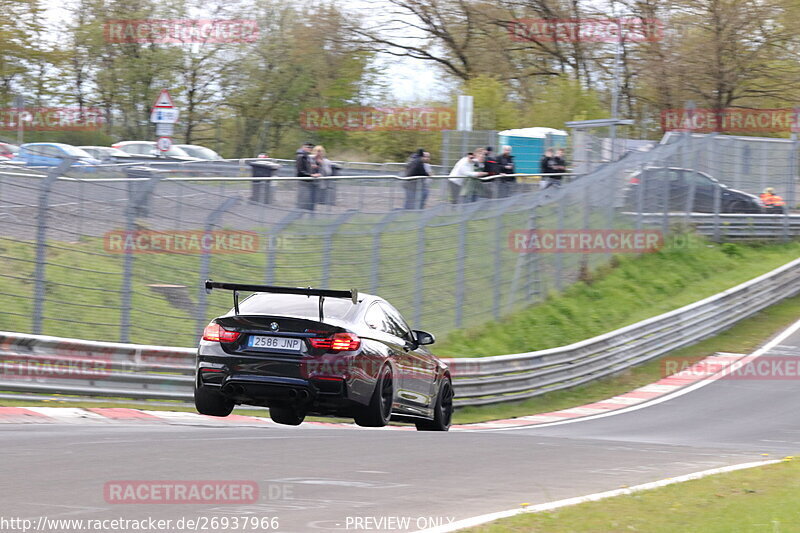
272	381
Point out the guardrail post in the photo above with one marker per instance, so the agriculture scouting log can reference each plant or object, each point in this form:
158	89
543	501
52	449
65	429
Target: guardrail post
205	262
138	198
45	186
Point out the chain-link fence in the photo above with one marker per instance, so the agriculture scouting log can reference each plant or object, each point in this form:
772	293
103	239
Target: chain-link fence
124	258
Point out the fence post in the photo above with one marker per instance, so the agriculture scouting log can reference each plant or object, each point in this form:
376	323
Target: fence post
328	246
269	274
461	256
717	209
791	180
692	182
559	254
419	271
499	229
205	262
138	196
377	233
39	289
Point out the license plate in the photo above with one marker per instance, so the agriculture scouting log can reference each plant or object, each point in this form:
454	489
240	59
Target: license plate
288	344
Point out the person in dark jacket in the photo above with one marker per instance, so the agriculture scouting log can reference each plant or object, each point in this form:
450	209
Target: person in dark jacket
506	163
306	190
547	167
415	167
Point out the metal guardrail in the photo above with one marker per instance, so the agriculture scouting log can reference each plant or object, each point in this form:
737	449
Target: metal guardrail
729	227
52	365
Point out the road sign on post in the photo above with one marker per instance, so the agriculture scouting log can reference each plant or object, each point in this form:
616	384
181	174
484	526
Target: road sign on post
164	100
164	115
164	144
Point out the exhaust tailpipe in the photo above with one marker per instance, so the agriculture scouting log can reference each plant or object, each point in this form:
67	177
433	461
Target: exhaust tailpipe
233	389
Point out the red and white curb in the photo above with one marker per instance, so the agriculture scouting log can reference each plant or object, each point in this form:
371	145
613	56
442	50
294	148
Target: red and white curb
701	371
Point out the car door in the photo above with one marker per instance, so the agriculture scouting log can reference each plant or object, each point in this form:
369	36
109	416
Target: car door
389	345
703	193
418	368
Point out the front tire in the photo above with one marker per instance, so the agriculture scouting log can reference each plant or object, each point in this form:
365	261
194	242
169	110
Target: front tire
210	402
379	410
288	416
443	410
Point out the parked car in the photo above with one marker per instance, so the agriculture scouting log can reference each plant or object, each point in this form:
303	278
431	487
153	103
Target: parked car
149	150
303	351
52	154
200	152
8	150
106	154
653	188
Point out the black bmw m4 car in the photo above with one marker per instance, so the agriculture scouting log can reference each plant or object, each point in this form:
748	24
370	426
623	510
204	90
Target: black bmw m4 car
303	351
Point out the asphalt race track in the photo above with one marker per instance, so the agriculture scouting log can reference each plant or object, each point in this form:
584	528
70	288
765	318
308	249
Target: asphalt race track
326	479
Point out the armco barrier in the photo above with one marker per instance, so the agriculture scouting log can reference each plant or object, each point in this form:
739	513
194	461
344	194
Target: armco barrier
102	369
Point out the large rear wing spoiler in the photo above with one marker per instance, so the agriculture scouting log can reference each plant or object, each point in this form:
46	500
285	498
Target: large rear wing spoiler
307	291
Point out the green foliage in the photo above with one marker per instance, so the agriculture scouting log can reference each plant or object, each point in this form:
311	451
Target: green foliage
562	100
492	108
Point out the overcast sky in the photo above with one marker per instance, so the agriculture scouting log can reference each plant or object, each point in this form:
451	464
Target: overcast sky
409	79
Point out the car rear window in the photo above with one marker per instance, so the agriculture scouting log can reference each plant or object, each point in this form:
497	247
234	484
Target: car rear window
294	305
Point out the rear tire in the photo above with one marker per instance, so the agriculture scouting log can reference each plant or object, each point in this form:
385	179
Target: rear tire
210	402
379	410
288	416
443	410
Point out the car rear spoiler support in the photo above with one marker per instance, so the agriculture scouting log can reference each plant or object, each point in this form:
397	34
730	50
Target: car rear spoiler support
308	291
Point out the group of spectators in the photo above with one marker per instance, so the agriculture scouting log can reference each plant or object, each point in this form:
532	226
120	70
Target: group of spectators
467	178
467	181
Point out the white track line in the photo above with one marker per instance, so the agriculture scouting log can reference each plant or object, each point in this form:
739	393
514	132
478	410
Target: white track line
788	332
549	506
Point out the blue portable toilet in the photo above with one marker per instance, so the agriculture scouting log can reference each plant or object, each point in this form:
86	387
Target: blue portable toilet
528	146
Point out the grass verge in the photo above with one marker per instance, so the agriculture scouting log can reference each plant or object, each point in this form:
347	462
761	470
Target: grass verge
756	499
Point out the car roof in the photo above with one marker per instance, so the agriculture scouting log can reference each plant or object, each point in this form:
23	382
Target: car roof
59	145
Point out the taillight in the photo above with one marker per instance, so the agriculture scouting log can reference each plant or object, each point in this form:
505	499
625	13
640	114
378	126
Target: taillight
215	332
634	181
339	342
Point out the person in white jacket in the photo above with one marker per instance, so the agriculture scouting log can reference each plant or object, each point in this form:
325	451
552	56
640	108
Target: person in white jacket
463	169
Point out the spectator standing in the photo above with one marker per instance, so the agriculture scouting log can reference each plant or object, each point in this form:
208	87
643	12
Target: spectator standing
463	169
320	166
306	190
545	169
507	166
473	186
413	187
559	164
426	162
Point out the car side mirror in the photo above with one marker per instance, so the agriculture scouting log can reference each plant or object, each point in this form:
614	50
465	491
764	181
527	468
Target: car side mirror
424	338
